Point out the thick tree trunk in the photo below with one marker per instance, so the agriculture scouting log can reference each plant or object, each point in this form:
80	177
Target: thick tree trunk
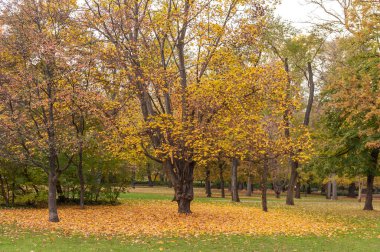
234	181
370	179
181	175
264	178
368	199
249	186
52	198
222	190
292	182
208	183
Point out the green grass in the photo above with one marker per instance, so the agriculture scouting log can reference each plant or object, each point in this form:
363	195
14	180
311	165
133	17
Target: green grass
37	242
364	239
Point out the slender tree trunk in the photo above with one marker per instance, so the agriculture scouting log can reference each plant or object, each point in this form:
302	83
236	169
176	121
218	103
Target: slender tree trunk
208	183
61	195
360	191
264	178
149	174
222	191
249	186
298	189
234	181
334	189
351	190
80	176
328	193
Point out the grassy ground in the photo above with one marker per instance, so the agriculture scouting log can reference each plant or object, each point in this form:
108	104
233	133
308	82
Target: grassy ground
362	234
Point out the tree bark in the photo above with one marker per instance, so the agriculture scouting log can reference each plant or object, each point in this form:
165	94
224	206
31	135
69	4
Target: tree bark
52	198
368	199
222	190
208	183
360	191
149	174
264	178
351	190
234	181
80	175
249	186
292	181
334	190
298	189
370	179
181	175
3	191
328	191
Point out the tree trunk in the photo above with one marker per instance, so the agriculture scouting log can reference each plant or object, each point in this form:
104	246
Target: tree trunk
222	191
334	190
234	182
351	190
264	178
360	191
292	182
181	175
3	191
52	198
368	199
298	189
249	186
61	194
208	183
80	176
370	179
328	194
149	174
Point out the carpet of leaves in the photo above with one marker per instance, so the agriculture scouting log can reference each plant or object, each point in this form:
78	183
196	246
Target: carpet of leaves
159	218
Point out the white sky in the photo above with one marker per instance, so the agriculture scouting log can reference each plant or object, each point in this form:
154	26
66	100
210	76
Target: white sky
300	13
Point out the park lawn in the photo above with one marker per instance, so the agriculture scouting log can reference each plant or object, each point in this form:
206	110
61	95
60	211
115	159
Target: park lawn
314	224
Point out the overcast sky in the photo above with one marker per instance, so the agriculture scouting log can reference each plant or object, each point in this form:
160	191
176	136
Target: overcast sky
300	13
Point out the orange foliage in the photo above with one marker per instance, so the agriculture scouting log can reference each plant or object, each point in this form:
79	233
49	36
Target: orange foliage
155	218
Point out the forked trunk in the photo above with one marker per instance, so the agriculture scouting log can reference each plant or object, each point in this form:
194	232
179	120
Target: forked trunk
181	174
234	182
